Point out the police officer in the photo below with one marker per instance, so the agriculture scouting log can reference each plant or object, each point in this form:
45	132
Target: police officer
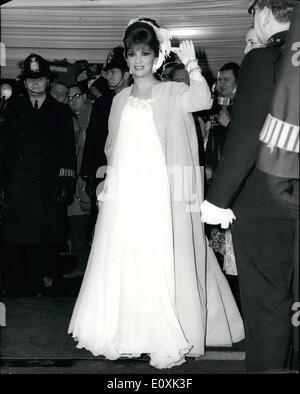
37	176
118	77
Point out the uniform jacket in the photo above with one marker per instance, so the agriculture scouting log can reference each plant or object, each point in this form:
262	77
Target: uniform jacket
279	148
38	159
237	183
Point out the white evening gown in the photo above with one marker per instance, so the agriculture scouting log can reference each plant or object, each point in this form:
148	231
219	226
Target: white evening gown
126	305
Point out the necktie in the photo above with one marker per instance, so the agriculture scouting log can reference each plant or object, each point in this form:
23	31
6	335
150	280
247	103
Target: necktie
36	105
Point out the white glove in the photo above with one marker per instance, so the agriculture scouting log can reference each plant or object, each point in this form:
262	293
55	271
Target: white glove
186	51
211	214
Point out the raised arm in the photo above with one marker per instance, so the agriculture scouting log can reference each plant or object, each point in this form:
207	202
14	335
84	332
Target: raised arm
197	96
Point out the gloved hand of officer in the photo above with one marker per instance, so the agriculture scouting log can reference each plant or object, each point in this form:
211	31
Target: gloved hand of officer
211	214
65	196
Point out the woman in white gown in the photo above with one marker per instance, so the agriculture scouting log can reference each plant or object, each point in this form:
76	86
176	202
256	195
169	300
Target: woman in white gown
152	285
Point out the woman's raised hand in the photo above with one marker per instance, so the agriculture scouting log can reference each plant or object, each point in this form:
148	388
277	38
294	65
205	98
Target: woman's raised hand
186	51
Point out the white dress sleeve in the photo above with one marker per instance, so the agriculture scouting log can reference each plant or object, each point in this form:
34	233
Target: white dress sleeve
197	96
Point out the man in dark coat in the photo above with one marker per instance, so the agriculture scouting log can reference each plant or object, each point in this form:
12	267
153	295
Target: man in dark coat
220	115
117	75
38	163
279	149
263	233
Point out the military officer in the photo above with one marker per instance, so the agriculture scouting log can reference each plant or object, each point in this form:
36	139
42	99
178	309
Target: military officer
263	233
279	152
38	178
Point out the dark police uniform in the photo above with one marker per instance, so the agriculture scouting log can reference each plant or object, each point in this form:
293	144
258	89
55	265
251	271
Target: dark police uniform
38	163
263	232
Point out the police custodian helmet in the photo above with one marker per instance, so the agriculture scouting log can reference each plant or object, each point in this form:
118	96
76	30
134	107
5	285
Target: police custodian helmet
35	66
116	59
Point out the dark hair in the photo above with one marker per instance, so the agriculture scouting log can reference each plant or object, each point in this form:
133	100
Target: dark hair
168	65
231	66
81	85
281	9
141	33
75	85
178	66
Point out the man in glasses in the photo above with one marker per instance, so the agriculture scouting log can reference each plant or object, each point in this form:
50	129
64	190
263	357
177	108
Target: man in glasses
263	233
76	99
37	173
79	210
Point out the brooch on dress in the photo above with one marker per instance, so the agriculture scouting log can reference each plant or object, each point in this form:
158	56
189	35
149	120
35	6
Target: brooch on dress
140	102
